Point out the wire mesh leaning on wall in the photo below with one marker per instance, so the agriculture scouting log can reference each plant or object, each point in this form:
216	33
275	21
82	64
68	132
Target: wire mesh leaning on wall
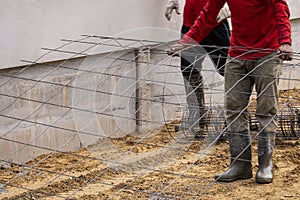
122	123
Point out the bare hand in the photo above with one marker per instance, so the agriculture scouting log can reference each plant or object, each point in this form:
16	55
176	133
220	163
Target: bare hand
285	52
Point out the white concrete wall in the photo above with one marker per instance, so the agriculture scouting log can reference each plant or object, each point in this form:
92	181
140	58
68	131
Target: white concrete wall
29	25
294	8
290	76
69	109
291	71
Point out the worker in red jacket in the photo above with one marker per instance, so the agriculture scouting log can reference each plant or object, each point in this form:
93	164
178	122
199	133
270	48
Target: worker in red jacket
216	43
261	34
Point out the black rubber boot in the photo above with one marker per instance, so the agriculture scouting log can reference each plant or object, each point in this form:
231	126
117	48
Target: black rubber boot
195	79
240	151
266	143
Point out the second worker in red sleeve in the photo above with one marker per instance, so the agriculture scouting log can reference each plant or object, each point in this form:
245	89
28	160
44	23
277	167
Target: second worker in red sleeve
215	44
260	41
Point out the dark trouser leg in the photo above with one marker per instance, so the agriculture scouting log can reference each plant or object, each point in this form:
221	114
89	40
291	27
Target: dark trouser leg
196	82
195	99
191	65
216	43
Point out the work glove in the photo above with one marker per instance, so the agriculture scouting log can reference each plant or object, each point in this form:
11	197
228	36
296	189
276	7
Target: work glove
285	52
175	49
223	14
172	4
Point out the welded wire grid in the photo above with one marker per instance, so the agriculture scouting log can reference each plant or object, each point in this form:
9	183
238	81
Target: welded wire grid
125	100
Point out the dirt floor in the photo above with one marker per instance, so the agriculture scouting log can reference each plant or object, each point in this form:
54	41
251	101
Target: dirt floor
190	176
154	168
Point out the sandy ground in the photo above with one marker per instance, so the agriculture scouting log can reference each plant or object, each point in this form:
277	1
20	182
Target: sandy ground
161	166
189	176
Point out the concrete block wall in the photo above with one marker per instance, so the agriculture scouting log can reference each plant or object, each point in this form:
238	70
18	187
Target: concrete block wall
35	113
63	106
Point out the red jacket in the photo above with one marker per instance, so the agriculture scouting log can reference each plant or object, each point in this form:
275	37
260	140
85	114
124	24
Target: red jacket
256	25
192	10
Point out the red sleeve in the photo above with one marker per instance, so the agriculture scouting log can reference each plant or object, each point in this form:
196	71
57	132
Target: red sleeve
205	22
281	14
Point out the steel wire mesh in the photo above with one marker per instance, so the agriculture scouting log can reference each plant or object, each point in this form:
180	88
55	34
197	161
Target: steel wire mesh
126	109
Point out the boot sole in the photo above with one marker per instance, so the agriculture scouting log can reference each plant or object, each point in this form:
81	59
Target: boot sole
222	179
263	181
